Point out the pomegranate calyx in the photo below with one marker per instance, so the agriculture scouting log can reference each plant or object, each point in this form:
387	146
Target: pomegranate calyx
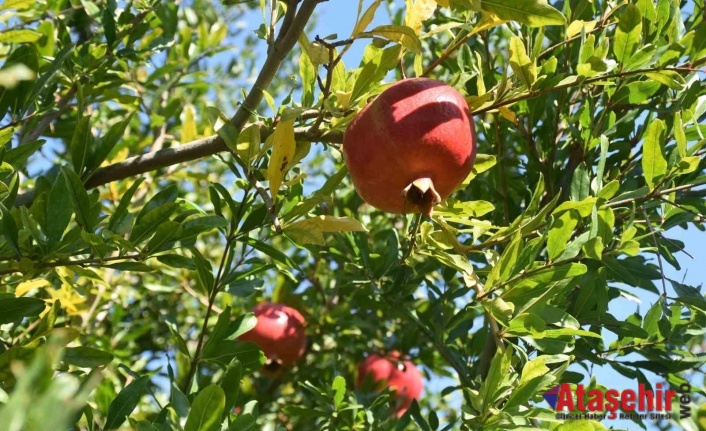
422	194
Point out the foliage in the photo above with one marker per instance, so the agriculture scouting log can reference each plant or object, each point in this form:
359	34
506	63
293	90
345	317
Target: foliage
161	172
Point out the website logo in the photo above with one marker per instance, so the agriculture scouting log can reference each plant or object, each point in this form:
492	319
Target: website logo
598	404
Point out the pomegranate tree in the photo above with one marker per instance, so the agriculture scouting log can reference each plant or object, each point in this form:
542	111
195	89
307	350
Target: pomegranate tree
411	147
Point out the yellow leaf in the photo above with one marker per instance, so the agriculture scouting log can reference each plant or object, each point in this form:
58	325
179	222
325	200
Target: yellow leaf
418	11
27	286
188	125
507	113
576	26
343	97
366	19
284	147
68	298
443	3
310	231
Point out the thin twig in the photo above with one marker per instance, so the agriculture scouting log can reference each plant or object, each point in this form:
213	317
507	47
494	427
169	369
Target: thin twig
80	262
654	194
579	82
412	237
193	366
648	222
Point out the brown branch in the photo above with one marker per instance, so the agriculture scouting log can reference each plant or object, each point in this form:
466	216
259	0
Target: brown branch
166	157
48	118
652	195
81	262
579	82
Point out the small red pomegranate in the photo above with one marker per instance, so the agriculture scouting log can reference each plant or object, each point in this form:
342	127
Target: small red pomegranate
390	370
280	334
411	147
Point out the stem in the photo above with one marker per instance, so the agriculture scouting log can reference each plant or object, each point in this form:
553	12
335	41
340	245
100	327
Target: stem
209	309
659	255
530	95
80	262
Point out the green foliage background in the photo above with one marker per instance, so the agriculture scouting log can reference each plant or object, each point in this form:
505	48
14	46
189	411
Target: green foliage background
144	211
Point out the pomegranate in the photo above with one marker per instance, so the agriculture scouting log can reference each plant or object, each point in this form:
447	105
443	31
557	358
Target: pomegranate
411	147
391	370
280	334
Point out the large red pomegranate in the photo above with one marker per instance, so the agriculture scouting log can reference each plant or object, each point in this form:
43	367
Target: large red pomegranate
411	147
391	370
279	332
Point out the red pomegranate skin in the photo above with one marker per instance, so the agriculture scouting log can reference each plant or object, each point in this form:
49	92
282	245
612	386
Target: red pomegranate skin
280	333
416	128
389	370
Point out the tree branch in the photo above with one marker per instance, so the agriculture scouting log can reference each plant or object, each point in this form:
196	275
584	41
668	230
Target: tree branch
48	118
166	157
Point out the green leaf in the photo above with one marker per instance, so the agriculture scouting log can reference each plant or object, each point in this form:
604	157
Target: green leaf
6	134
17	4
48	77
679	135
689	295
535	368
109	21
86	357
17	157
125	402
627	34
651	321
79	199
12	309
121	211
174	329
204	271
527	324
164	234
231	384
669	78
541	279
58	214
366	77
339	390
560	232
583	207
244	422
521	63
179	401
151	221
220	331
101	149
534	13
580	183
24	35
311	230
249	355
654	165
81	143
206	410
636	92
397	33
366	18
